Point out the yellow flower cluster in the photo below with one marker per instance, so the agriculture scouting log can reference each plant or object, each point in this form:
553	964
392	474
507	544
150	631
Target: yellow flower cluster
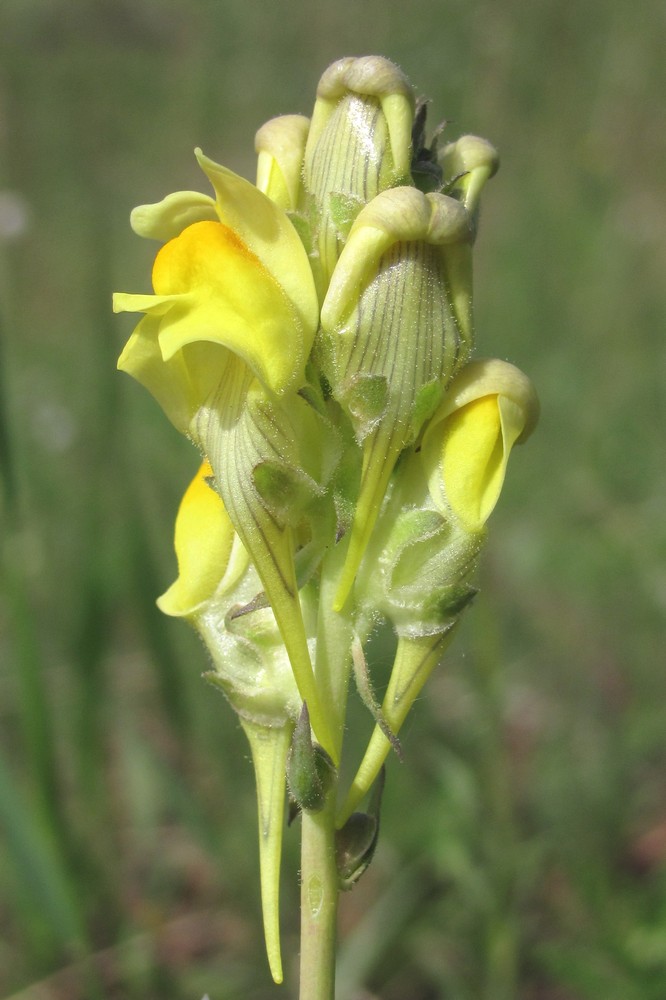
312	333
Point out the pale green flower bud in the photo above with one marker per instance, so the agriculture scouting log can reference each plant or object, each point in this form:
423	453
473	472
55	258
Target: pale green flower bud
359	144
466	165
396	326
280	145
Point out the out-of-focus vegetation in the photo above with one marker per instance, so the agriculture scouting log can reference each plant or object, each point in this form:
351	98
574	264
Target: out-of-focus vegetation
523	849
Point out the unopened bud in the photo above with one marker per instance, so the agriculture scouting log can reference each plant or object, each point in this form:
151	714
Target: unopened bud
359	144
396	326
466	165
280	145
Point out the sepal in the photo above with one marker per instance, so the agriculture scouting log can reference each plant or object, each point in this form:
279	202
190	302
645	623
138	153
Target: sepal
417	572
251	666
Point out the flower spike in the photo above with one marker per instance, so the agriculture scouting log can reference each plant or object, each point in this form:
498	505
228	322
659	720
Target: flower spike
311	334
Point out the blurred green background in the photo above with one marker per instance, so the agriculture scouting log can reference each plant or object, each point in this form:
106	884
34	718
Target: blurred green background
524	840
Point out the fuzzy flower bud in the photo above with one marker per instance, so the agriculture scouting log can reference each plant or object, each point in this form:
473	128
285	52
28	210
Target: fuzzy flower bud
359	144
396	326
280	145
466	165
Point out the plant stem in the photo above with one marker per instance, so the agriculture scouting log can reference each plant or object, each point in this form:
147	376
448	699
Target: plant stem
319	903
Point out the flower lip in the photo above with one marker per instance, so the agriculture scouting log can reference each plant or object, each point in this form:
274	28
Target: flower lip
489	407
265	228
492	377
211	559
227	297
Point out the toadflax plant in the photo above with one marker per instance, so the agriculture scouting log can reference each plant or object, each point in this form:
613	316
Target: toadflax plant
312	335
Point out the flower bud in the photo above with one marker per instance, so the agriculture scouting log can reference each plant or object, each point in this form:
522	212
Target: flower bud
487	409
280	145
466	165
359	144
396	326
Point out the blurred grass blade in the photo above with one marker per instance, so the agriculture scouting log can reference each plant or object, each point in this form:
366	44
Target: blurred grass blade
34	858
7	472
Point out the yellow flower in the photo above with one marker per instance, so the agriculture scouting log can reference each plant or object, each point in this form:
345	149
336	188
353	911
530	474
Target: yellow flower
489	407
211	557
250	665
235	285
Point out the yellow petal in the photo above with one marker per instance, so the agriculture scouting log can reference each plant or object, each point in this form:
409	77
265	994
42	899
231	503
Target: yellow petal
167	218
211	559
180	383
264	228
489	407
474	460
231	300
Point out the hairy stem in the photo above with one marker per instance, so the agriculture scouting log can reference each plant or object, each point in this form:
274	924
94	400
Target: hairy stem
319	903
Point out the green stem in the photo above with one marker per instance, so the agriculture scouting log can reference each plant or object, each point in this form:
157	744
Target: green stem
319	903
